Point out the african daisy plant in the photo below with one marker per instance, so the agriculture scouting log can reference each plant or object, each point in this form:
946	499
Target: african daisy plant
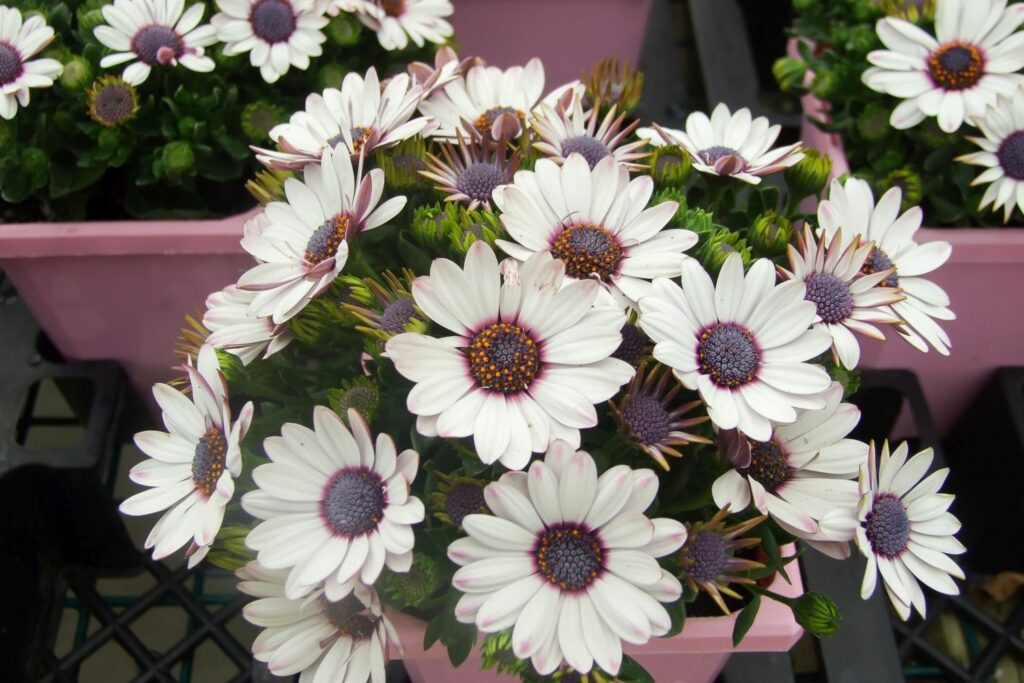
922	94
533	379
148	108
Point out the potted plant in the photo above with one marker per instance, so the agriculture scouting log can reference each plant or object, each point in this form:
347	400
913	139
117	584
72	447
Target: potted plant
564	423
120	192
854	72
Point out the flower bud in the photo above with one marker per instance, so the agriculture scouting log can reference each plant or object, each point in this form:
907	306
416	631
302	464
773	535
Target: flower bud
258	118
670	165
77	73
720	247
770	233
178	158
810	175
826	85
873	123
817	614
360	394
789	72
411	588
908	181
344	30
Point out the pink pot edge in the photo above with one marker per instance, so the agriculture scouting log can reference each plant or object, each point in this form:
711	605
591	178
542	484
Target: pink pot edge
774	629
124	238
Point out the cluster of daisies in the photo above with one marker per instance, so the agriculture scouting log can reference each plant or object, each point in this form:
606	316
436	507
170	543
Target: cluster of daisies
968	72
149	35
504	419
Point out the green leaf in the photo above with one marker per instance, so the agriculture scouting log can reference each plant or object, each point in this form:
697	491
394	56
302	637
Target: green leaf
461	644
435	627
745	619
771	549
632	672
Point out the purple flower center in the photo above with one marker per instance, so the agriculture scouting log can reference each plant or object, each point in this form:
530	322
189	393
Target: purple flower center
354	502
831	295
956	66
504	358
478	180
113	103
878	261
768	465
711	155
349	616
887	526
728	354
646	418
592	149
396	315
707	557
208	462
587	250
569	556
1010	153
327	239
462	500
633	345
155	44
10	63
272	20
485	121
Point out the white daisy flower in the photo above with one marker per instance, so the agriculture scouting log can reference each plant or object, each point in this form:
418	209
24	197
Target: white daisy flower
20	40
733	145
529	359
851	207
744	345
595	220
337	505
235	330
305	244
362	116
1003	154
567	561
488	93
803	471
847	300
902	526
565	128
344	641
970	62
151	33
397	22
277	34
193	463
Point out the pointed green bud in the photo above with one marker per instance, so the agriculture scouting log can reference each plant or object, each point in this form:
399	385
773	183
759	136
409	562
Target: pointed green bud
809	176
713	253
789	72
90	19
908	181
817	614
451	229
670	165
402	165
412	588
231	366
849	379
770	234
179	159
360	394
701	222
826	85
258	118
77	73
344	30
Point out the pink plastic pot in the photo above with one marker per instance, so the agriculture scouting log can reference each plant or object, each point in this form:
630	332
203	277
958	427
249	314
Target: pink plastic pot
983	277
696	655
120	290
565	34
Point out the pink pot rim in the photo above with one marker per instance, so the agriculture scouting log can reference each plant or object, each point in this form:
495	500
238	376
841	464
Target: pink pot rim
774	629
124	238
